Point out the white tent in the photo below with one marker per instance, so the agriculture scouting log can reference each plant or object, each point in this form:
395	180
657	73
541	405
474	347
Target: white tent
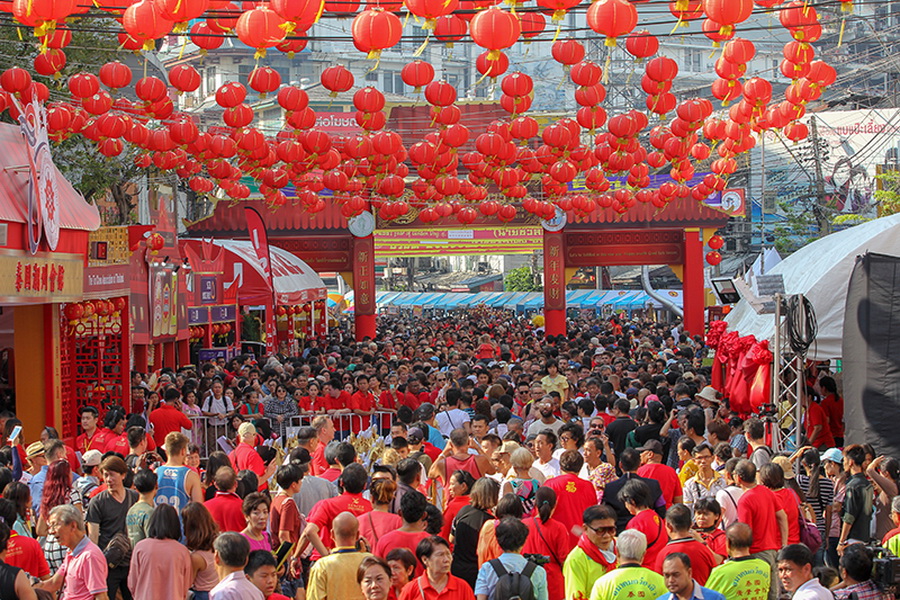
821	272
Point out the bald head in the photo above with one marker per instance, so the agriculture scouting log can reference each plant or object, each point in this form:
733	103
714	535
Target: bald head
345	529
739	538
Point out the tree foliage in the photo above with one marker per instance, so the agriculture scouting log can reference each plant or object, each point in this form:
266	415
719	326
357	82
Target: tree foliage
94	42
521	280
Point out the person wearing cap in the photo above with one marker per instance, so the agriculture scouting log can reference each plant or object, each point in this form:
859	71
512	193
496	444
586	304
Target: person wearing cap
167	418
245	456
652	468
41	456
90	480
107	515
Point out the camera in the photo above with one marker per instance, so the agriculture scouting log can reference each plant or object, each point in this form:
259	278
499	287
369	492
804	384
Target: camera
768	411
885	568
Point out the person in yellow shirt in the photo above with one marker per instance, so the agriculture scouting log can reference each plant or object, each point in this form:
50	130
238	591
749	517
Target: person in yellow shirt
554	381
333	577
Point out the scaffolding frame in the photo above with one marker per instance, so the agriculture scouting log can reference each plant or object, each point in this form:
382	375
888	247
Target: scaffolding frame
788	385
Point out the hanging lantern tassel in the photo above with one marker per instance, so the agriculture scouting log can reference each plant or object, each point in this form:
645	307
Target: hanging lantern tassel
260	53
558	30
606	65
374	54
319	14
841	35
847	6
421	48
149	45
184	45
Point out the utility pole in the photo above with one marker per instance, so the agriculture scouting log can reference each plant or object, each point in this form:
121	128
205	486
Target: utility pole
821	220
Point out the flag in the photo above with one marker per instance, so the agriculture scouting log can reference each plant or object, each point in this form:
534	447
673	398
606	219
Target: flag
260	242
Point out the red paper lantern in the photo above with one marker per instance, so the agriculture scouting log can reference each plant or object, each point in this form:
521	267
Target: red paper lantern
492	67
451	28
612	18
74	311
155	242
144	22
431	10
260	28
150	89
230	94
532	24
440	93
716	242
181	11
81	85
368	99
495	29
184	78
15	80
115	75
417	74
50	62
728	12
739	51
713	258
567	52
376	30
264	80
337	79
641	44
302	13
204	37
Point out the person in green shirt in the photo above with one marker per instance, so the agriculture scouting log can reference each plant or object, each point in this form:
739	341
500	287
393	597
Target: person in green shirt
138	518
595	553
891	539
741	577
630	581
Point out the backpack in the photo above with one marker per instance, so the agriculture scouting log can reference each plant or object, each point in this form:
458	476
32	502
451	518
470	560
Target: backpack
513	586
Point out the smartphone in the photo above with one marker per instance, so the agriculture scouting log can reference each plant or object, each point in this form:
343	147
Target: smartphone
17	430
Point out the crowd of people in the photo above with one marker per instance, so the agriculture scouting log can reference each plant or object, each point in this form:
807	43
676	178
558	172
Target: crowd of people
599	466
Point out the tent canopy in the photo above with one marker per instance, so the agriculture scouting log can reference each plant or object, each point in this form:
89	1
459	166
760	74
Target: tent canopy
821	272
295	281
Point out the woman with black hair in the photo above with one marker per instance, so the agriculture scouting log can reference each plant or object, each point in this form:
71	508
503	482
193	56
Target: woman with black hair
160	564
550	539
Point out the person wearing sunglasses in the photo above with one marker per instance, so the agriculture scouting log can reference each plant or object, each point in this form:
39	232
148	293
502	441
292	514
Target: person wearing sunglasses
594	554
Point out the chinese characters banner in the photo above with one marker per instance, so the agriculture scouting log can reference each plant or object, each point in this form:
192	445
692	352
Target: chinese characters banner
554	271
364	275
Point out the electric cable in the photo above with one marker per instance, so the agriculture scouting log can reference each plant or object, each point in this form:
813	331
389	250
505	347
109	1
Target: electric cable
801	324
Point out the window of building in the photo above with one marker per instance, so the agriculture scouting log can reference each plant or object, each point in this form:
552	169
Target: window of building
211	80
692	59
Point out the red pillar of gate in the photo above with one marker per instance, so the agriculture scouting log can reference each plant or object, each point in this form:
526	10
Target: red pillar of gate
693	281
364	286
554	283
169	355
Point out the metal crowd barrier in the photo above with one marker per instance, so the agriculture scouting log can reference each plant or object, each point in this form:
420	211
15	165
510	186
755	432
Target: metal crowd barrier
211	433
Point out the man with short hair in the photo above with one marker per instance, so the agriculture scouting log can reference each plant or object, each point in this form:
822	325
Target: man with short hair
456	457
333	577
261	570
573	494
453	417
621	426
547	419
795	564
325	431
225	506
168	418
856	511
413	511
353	480
678	526
595	553
677	572
652	468
856	573
755	432
107	516
770	527
511	536
741	577
629	579
544	445
84	570
89	416
178	484
629	462
230	552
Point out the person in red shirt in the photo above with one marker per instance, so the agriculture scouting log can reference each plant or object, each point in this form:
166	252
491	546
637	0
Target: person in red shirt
833	405
314	401
353	480
759	508
818	429
652	468
22	551
461	483
167	418
549	537
337	400
771	475
225	506
325	432
678	527
89	416
707	521
244	456
413	510
362	403
635	495
573	494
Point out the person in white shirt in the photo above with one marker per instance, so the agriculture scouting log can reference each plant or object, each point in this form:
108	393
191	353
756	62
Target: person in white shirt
728	497
547	420
544	444
795	564
453	417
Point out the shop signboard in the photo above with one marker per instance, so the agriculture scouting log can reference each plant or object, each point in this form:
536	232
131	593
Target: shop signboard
40	278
